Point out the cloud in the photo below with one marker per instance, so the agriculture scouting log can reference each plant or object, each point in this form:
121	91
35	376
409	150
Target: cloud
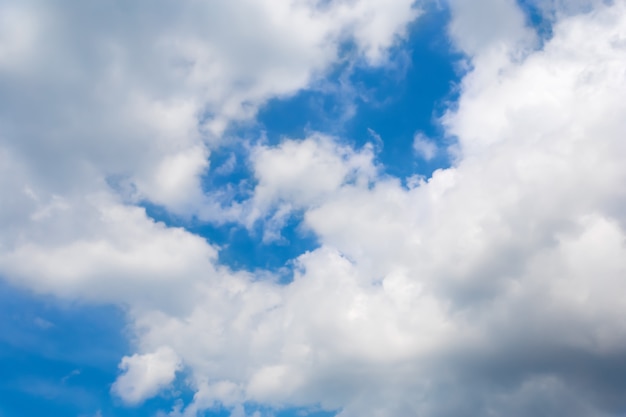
42	323
492	288
105	107
424	147
145	375
17	36
140	95
73	373
100	250
305	172
472	36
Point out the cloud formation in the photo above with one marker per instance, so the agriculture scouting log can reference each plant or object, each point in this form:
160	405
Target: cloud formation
137	95
145	375
493	287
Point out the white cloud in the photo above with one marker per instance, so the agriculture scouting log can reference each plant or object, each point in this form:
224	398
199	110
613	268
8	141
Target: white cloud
303	173
514	254
175	182
474	36
137	93
116	105
424	146
145	375
106	252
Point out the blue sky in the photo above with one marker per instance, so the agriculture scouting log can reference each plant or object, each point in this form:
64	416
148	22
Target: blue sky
312	208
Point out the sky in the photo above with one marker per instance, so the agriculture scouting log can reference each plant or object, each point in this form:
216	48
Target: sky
312	208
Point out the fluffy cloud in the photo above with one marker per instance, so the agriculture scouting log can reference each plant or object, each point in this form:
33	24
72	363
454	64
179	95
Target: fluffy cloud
492	288
107	105
137	95
145	375
424	147
296	175
102	251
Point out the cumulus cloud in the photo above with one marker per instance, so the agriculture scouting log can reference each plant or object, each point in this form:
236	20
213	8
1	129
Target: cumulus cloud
107	105
491	288
138	96
145	375
299	174
424	146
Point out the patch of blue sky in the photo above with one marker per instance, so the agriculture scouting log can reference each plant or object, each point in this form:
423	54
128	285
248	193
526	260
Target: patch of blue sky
245	249
391	102
241	248
229	173
251	408
305	412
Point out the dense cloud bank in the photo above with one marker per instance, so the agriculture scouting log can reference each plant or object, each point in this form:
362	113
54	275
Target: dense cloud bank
494	287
